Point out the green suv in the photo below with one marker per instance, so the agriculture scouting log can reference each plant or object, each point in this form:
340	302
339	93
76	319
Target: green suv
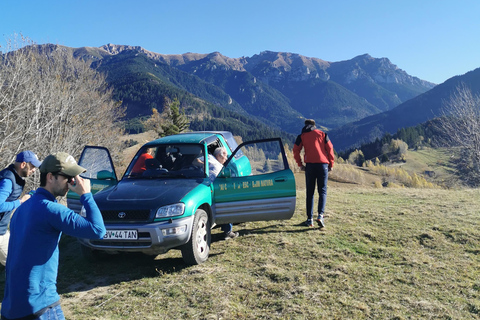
164	201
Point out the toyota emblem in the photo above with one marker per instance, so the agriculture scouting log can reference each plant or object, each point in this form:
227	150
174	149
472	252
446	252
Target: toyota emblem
122	215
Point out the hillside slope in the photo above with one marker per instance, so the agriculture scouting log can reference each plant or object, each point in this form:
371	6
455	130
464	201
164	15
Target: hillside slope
412	112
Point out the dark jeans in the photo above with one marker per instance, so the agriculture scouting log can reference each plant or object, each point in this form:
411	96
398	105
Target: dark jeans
226	228
316	173
48	313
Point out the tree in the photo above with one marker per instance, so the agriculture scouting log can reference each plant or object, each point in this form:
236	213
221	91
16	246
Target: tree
51	101
154	123
356	158
460	128
170	121
176	121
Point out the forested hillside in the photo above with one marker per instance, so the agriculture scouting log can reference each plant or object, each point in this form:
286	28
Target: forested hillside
277	89
410	113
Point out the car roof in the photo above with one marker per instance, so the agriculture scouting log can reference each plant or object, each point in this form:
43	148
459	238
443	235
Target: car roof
188	137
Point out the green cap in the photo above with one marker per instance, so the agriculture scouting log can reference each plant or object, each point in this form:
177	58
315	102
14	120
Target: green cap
61	162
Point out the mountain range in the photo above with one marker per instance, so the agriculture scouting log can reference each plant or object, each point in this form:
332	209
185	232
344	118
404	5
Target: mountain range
271	93
276	88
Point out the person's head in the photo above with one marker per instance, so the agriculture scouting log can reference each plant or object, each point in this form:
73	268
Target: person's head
57	171
309	122
26	162
148	150
220	154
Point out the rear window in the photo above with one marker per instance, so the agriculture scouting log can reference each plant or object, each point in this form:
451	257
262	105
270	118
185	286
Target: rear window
232	144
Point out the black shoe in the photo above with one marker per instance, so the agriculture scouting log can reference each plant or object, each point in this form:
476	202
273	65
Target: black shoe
320	222
231	235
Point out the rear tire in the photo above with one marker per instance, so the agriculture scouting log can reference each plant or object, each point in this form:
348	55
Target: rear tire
196	250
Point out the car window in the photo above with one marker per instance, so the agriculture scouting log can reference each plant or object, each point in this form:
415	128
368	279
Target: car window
96	160
232	144
167	160
214	145
259	157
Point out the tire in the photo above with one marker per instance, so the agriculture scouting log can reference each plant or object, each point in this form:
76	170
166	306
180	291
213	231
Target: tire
196	250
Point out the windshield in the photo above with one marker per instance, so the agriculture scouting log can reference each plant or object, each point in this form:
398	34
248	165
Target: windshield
169	161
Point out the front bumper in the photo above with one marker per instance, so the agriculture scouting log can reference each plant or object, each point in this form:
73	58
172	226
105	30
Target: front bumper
153	238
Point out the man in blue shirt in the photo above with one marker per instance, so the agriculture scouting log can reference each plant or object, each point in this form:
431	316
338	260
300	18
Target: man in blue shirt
11	187
36	228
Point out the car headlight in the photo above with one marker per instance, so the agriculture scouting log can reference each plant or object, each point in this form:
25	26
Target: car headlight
170	211
83	212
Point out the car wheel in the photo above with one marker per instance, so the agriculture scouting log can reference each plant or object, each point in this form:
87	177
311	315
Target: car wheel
196	250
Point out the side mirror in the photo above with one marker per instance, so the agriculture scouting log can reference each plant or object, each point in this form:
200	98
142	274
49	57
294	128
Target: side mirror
105	175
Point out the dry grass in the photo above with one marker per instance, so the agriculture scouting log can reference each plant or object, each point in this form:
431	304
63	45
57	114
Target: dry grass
385	254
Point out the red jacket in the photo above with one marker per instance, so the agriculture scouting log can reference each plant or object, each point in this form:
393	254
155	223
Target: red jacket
317	146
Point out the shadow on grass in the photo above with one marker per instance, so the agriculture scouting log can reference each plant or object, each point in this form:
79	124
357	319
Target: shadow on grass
75	274
242	230
297	228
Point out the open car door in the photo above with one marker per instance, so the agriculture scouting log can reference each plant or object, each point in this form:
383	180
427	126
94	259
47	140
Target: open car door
256	184
100	171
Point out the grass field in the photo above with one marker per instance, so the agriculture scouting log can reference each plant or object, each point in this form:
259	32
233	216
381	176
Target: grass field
384	254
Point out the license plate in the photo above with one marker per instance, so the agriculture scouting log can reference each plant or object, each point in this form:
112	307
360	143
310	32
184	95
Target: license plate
121	235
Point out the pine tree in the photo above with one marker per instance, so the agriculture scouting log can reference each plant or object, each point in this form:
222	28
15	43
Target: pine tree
176	120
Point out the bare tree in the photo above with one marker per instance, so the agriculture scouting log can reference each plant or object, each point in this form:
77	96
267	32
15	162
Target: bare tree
51	101
460	128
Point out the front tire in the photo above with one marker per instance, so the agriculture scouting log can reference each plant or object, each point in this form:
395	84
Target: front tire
196	250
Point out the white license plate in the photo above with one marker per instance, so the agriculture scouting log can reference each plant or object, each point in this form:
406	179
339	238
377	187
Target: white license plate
121	235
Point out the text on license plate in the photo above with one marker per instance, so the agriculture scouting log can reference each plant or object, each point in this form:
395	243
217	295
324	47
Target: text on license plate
121	234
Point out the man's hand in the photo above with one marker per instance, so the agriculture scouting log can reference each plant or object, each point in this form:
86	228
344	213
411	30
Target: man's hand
25	198
302	168
81	186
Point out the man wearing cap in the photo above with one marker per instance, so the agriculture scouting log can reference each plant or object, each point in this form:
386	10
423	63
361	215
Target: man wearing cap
319	158
36	228
12	182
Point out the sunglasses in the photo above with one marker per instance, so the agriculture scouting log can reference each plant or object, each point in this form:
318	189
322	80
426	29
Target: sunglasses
69	178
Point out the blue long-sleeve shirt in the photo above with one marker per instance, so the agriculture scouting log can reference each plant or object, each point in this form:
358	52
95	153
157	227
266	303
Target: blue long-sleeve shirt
32	263
5	190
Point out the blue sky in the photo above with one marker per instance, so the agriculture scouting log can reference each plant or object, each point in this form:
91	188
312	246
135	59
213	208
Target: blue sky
430	39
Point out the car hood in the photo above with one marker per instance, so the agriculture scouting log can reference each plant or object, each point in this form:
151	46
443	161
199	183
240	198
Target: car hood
148	193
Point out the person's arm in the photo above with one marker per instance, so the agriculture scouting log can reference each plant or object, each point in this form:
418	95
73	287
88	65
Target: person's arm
297	147
198	162
94	220
90	227
6	188
330	153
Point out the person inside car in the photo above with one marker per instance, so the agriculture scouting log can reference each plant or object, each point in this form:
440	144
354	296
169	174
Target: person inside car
215	165
140	166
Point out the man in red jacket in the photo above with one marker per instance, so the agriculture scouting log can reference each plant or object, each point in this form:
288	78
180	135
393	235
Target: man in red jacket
318	158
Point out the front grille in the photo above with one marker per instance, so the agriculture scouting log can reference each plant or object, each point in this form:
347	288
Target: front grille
129	215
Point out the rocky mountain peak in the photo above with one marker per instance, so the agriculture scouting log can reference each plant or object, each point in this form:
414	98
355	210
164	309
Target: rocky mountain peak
115	49
378	70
